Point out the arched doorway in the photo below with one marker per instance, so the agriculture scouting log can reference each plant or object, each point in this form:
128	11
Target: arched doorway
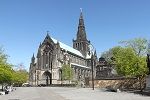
47	77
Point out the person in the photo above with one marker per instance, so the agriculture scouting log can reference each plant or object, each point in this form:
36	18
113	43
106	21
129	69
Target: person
6	90
82	84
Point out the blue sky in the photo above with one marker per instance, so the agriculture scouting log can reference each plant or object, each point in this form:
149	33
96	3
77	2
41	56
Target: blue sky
23	23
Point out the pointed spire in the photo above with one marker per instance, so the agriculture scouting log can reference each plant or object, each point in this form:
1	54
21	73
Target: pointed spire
40	45
33	56
39	51
47	33
81	15
47	38
81	34
81	10
95	54
81	20
33	59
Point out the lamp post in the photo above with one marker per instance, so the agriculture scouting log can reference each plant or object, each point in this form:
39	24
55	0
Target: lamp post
35	77
92	71
92	65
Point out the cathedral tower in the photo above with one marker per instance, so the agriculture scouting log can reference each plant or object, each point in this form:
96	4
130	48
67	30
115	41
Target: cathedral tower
81	43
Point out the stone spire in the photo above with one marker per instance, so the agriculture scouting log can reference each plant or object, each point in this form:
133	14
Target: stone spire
95	54
81	33
81	43
39	51
33	59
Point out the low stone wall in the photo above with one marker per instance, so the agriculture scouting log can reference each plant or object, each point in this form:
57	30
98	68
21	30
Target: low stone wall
120	83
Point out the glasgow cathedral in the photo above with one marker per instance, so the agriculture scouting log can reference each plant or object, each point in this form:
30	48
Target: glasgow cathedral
45	67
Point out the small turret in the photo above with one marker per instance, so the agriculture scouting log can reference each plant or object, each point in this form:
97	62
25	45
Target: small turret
39	52
95	54
33	59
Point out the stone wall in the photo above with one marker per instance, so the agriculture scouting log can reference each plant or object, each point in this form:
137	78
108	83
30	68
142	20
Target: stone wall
120	83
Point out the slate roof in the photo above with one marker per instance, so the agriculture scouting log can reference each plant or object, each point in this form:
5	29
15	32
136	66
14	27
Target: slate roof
79	65
68	48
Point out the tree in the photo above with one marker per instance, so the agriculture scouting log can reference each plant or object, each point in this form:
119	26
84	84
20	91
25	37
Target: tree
8	75
107	55
67	72
129	59
5	74
20	77
139	45
5	69
127	62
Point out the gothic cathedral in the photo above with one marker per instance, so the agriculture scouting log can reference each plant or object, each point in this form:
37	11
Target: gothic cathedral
52	54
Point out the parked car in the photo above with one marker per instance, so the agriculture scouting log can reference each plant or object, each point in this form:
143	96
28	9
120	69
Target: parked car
42	85
26	85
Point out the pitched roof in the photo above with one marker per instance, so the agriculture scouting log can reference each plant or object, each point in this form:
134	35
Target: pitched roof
80	65
68	48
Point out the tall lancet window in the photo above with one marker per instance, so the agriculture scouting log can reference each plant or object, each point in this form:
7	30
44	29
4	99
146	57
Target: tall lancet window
43	60
46	60
50	58
46	55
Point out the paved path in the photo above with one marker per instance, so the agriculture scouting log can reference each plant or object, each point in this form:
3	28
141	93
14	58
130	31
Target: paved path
97	94
32	93
59	93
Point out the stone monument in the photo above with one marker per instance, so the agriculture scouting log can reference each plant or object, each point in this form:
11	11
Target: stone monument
148	77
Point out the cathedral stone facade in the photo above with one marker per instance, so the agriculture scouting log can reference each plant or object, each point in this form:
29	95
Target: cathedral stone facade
45	68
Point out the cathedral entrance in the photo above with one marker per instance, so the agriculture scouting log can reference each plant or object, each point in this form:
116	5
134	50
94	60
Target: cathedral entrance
47	77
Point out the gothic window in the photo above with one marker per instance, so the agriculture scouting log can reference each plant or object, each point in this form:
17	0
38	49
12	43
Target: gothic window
72	58
80	61
46	59
50	60
80	46
77	60
43	61
51	65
